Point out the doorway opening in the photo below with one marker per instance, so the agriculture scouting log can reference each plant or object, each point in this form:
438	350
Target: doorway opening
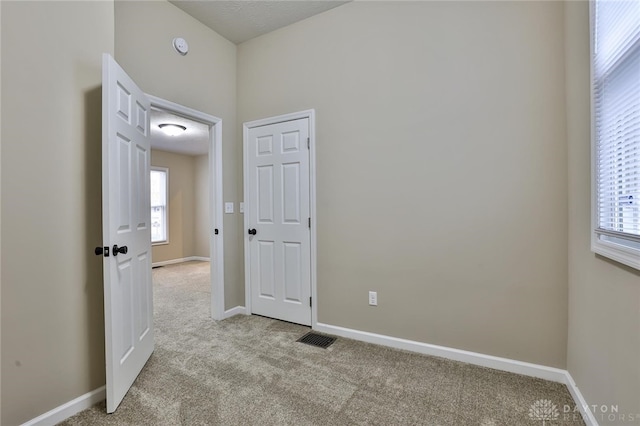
186	199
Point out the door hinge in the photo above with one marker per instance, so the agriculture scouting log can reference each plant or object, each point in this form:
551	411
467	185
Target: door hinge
310	303
215	231
309	223
308	143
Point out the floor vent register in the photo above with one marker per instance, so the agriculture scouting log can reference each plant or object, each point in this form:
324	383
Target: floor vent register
318	340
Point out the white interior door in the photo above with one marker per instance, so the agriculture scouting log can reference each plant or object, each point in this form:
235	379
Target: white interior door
278	207
126	216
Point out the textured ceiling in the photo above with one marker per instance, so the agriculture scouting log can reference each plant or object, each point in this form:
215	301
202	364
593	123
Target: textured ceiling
242	20
194	140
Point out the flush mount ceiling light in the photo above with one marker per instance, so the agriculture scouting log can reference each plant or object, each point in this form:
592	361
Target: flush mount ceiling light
172	129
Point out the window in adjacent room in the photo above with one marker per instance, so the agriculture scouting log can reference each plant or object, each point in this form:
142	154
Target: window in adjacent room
615	49
159	205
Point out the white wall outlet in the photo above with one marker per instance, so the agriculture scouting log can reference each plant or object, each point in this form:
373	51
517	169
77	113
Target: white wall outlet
373	298
228	207
241	207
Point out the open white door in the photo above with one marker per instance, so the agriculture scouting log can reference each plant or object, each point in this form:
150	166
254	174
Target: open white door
126	215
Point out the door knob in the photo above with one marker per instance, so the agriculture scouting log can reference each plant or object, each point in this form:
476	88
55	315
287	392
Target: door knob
117	249
102	251
253	231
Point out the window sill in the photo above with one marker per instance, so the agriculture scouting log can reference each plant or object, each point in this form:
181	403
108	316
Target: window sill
160	243
620	253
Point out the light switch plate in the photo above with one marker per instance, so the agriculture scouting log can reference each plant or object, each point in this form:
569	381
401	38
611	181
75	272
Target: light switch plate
373	298
228	207
241	207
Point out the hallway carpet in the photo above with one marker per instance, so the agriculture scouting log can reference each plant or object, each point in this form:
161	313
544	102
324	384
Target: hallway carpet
249	370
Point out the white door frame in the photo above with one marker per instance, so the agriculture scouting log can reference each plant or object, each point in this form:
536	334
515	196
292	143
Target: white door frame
311	115
216	242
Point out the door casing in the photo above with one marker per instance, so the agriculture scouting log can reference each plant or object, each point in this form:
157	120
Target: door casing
216	242
310	115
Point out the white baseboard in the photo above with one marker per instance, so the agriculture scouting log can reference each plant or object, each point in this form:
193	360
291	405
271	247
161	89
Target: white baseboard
181	260
587	414
68	409
85	401
490	361
238	310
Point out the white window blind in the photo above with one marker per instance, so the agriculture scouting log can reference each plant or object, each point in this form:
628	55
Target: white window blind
159	214
616	102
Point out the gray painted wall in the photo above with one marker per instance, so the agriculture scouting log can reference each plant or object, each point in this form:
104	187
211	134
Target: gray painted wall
52	303
604	296
441	167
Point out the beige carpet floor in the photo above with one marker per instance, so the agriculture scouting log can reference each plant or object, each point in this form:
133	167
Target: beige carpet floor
249	370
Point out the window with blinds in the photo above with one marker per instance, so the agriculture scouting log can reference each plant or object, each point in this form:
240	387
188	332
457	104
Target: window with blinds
159	188
616	128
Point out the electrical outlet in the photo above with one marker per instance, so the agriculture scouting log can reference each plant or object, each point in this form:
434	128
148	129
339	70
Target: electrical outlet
241	207
228	207
373	298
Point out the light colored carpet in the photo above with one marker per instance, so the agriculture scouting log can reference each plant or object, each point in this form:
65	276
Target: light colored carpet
249	370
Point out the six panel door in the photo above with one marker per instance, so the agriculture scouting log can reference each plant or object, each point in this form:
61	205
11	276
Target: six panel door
126	216
279	211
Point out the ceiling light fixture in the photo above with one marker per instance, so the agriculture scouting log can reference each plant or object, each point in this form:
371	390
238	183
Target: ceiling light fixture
172	129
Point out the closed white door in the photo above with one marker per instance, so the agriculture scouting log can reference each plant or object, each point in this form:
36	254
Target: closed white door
126	231
278	206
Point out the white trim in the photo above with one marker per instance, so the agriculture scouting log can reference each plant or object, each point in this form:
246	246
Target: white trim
216	242
238	310
314	216
594	196
623	254
311	116
245	219
170	262
87	400
68	409
475	358
181	260
587	415
504	364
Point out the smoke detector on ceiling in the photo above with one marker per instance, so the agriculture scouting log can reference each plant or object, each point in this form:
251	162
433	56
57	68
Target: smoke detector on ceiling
181	45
